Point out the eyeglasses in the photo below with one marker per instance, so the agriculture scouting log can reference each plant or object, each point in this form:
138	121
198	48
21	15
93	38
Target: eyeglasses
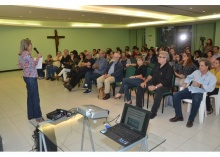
161	57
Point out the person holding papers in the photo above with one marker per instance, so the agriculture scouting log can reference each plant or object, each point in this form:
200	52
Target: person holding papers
28	64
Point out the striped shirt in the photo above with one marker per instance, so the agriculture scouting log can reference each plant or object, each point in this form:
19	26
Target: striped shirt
185	70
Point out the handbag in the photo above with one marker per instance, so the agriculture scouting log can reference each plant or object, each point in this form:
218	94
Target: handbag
101	93
75	69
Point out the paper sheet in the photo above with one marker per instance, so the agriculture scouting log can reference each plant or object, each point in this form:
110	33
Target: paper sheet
39	65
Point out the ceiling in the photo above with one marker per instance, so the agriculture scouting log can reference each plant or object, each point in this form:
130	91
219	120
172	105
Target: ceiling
106	16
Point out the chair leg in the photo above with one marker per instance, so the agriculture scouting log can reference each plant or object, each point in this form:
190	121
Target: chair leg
163	104
113	89
188	107
148	99
202	112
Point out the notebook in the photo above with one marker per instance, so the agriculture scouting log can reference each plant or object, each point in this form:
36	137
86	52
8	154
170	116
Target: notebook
132	127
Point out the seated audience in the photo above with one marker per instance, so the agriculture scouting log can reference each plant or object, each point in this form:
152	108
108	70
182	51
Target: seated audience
183	69
56	61
124	61
49	68
177	60
216	52
64	61
75	69
73	61
159	80
151	57
132	81
99	69
197	56
216	72
114	73
211	58
198	82
86	66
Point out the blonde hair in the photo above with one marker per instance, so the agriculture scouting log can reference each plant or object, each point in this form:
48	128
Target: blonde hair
165	54
140	57
24	45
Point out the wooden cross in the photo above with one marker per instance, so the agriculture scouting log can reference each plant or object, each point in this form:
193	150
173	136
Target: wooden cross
56	37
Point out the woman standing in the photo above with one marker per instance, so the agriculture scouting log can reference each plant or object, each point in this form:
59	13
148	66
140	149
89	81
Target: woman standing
28	64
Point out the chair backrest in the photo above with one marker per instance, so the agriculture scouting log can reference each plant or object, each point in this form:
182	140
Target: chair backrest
149	69
173	82
133	60
151	65
130	71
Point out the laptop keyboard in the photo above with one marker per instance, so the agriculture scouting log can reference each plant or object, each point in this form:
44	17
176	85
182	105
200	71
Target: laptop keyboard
125	133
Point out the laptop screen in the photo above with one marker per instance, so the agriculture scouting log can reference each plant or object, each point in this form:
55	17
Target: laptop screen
135	118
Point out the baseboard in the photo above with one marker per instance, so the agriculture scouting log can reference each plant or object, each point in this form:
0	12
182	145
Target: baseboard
10	70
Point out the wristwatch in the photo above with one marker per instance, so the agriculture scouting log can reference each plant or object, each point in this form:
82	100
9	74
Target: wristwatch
200	86
155	87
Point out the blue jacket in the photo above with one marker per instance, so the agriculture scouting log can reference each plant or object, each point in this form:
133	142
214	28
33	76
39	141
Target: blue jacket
118	71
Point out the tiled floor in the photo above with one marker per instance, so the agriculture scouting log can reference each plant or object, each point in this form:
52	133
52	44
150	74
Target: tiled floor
16	131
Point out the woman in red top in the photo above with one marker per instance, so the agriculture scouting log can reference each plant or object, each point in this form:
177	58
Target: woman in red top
28	64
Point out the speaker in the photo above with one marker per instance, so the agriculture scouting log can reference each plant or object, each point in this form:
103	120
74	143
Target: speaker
50	140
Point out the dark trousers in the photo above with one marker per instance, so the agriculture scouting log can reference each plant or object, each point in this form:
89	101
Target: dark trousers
50	71
157	98
76	77
89	76
208	104
33	100
186	94
129	83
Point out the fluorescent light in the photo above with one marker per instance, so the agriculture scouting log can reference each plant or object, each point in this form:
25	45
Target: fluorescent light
86	25
9	22
32	24
146	23
209	17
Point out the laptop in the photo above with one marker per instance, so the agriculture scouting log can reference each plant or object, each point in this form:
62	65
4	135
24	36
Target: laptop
132	127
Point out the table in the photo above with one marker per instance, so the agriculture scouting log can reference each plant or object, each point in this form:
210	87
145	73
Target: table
67	134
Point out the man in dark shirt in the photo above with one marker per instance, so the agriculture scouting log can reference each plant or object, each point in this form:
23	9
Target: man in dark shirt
85	67
160	81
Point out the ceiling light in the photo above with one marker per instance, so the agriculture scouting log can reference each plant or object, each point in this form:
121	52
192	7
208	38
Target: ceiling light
9	22
209	17
146	23
86	25
32	24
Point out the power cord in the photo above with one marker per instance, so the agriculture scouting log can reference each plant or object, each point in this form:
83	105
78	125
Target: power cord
108	122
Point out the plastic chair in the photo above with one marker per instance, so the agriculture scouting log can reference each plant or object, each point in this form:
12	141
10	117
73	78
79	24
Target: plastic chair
217	102
202	108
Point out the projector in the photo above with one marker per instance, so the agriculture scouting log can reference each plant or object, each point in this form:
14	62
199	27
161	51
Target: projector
92	111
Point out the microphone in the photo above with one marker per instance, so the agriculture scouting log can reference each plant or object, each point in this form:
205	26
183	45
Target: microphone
35	49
